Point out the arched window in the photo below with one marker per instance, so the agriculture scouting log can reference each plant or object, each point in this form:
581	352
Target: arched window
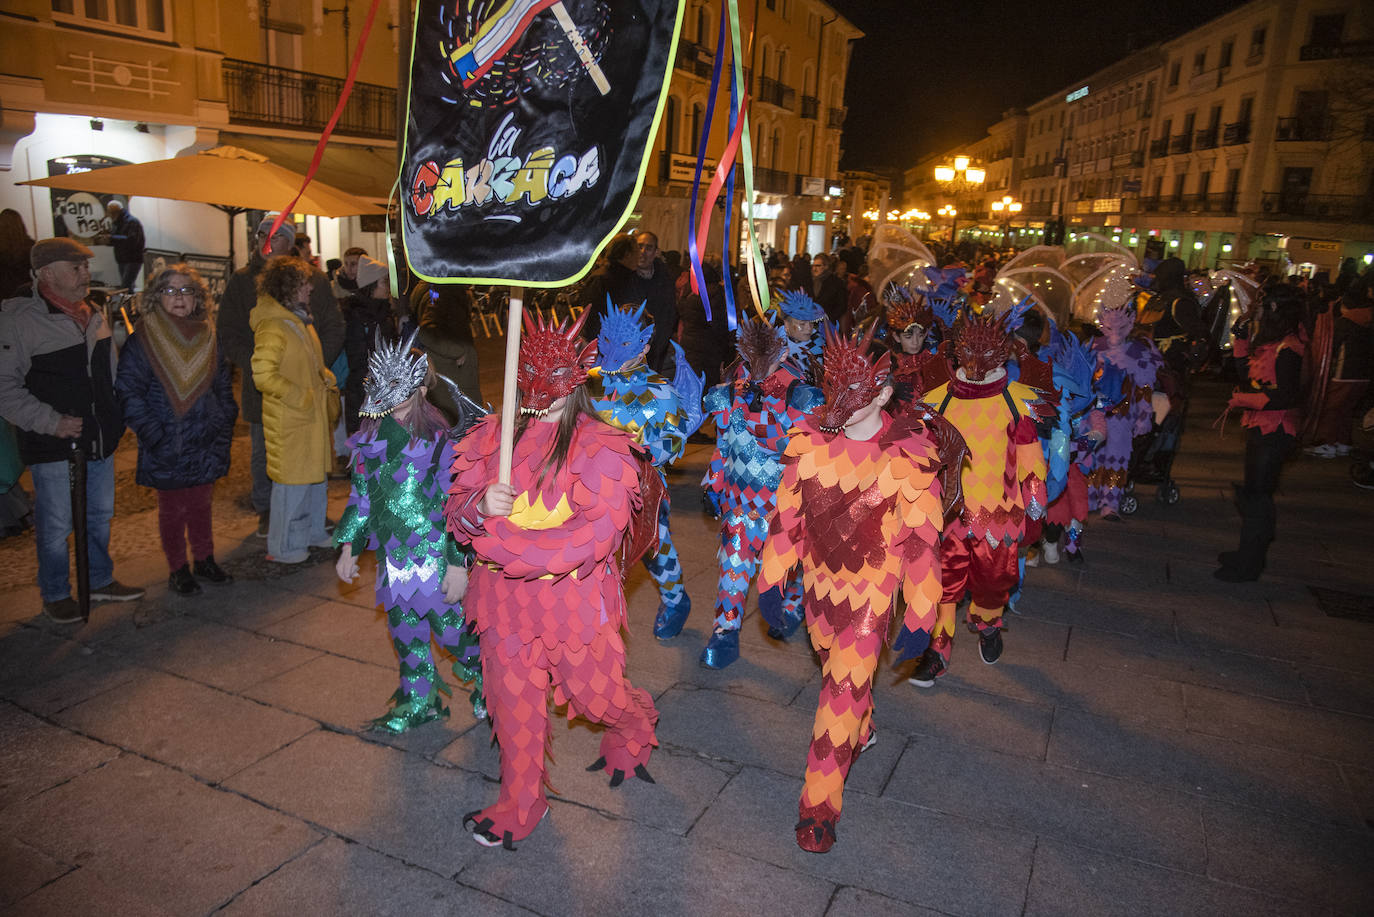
698	115
671	112
703	26
782	66
803	154
775	147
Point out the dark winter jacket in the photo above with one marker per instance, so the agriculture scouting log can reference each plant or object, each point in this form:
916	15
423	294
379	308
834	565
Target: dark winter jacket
49	368
126	236
175	452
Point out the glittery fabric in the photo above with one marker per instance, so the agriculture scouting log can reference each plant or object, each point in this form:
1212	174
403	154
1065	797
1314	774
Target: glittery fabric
553	362
1139	360
647	407
548	604
395	508
863	519
393	373
623	335
752	424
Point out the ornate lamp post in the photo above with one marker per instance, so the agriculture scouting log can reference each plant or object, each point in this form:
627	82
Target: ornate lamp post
949	211
957	178
1007	207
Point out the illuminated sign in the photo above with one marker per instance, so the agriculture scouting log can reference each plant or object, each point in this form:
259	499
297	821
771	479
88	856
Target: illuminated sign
1076	95
764	211
834	191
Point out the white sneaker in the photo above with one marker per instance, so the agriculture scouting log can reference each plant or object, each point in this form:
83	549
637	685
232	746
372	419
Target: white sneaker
1325	450
1343	449
1050	551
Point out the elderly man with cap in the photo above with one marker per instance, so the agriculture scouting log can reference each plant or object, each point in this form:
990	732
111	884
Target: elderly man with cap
57	369
236	338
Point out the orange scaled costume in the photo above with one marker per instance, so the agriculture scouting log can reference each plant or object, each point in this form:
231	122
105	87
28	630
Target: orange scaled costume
863	518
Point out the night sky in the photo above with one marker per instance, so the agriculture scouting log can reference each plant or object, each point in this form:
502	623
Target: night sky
933	74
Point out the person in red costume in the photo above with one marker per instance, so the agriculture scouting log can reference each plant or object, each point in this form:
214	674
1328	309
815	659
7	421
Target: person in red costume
859	507
546	596
1003	485
1270	398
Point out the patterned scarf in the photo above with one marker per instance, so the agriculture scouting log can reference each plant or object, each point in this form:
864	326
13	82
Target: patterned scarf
78	311
183	353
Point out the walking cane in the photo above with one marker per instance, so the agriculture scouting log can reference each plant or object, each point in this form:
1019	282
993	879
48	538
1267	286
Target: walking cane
76	477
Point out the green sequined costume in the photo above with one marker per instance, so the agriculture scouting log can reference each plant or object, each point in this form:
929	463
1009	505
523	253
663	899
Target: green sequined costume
396	509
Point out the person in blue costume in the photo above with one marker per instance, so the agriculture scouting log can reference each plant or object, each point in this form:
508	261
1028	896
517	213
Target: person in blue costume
800	316
753	414
660	416
401	456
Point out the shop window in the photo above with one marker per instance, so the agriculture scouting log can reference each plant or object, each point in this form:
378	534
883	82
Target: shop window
132	15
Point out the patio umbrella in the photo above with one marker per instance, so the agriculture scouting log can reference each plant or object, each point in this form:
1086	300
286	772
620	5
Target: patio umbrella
225	177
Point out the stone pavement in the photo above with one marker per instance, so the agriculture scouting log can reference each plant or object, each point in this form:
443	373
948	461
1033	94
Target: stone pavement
1152	742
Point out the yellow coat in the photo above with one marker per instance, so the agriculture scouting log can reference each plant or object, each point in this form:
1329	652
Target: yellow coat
300	402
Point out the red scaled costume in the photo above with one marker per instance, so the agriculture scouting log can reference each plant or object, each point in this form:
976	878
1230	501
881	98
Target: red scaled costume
863	518
1003	484
546	596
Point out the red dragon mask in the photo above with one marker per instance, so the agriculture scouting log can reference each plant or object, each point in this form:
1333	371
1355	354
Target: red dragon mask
982	345
851	377
553	362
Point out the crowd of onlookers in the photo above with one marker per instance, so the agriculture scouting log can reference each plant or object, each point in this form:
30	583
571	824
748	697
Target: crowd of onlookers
300	338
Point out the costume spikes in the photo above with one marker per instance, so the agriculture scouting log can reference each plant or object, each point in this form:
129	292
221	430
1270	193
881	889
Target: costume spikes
851	378
905	309
553	362
623	336
761	345
982	345
1117	321
797	305
393	375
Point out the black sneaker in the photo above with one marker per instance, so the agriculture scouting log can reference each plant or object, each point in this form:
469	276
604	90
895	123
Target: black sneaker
990	645
211	572
116	592
931	667
264	522
182	582
1362	475
63	611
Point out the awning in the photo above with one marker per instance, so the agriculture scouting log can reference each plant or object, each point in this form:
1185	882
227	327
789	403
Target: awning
365	171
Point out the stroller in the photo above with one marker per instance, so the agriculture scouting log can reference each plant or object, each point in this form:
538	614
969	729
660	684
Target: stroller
1153	453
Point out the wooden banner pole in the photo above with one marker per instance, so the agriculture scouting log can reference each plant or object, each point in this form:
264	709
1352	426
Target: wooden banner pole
510	396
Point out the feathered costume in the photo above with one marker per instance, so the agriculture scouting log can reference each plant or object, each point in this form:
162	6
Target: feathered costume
1003	484
396	509
753	416
1138	361
1074	365
863	519
660	416
546	596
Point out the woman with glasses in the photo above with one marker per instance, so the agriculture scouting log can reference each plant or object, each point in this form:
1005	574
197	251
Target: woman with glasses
173	385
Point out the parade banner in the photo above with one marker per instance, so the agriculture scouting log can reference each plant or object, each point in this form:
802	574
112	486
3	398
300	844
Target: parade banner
527	134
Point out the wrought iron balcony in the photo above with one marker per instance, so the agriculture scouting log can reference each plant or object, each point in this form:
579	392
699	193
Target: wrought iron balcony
1236	132
1333	50
810	107
1336	208
1159	148
1183	143
277	97
776	93
1206	138
1312	127
772	181
834	117
694	58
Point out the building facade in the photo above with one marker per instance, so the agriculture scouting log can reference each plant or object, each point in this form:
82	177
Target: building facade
1250	137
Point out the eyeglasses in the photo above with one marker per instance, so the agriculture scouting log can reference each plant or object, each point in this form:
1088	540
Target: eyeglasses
178	291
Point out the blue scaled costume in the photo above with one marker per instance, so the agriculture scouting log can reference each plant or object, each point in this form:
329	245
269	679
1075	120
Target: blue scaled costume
753	414
395	507
803	355
660	416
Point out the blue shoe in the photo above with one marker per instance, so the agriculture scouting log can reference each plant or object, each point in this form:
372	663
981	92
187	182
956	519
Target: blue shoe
789	627
721	650
668	624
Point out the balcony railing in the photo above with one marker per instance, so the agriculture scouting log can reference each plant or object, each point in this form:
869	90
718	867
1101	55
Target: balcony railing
694	58
1039	170
277	97
1336	49
810	107
1337	208
1159	148
834	117
776	93
1206	138
1036	209
1218	202
1235	133
1316	127
772	181
1183	143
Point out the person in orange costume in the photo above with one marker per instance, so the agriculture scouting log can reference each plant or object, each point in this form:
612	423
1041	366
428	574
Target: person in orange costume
546	596
1003	486
859	507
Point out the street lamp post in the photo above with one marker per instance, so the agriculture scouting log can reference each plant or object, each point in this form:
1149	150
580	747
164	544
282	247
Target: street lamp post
956	178
949	211
1008	206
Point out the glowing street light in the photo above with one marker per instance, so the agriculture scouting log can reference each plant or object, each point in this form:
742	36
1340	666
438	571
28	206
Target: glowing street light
1009	207
957	178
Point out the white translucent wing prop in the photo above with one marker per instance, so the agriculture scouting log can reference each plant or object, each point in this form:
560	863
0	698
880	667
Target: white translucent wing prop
1111	286
897	255
1036	256
1243	287
1084	243
1080	267
1051	290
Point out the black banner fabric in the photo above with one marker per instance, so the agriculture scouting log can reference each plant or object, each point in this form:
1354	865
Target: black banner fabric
527	132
